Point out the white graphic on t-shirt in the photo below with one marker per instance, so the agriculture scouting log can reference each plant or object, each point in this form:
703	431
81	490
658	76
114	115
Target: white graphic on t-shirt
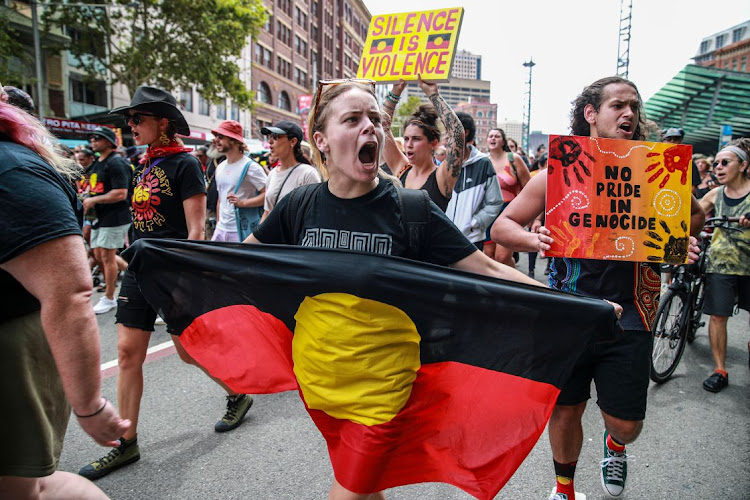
348	240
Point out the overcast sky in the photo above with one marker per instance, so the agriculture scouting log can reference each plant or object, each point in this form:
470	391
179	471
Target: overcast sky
573	43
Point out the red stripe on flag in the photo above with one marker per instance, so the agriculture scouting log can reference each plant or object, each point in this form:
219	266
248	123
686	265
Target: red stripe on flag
463	425
246	348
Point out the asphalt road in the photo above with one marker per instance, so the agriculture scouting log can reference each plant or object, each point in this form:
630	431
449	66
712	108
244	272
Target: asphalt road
694	445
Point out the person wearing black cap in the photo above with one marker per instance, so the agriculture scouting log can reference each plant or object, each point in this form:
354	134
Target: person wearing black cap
285	141
109	178
19	98
168	201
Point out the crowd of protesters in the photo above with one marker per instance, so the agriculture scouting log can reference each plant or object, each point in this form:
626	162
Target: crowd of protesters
485	207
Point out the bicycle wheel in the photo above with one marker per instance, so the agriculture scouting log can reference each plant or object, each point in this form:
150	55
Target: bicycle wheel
669	335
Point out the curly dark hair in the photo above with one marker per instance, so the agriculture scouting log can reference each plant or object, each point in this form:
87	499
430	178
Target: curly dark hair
594	95
426	118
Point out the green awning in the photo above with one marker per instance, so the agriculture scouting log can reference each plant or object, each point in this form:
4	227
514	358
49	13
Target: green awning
700	100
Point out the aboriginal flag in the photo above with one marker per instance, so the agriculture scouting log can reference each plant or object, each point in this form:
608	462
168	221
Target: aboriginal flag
412	372
439	41
382	45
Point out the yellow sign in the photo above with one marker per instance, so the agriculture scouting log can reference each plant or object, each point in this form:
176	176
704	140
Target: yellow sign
411	43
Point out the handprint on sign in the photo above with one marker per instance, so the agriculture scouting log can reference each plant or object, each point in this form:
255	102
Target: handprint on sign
673	162
675	249
568	152
570	240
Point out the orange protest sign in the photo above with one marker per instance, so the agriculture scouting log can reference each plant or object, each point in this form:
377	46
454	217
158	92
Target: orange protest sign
411	43
611	199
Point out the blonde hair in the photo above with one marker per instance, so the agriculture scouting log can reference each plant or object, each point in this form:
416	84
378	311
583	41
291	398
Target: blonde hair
319	115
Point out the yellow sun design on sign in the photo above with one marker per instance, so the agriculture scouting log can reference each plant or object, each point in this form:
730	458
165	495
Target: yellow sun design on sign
355	358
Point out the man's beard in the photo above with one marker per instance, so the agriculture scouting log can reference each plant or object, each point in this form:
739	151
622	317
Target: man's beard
213	153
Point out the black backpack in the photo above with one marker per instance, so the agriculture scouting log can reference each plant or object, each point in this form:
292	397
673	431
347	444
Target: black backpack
415	207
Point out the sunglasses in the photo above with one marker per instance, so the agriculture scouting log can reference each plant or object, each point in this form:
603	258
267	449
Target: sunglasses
333	83
724	162
276	137
136	118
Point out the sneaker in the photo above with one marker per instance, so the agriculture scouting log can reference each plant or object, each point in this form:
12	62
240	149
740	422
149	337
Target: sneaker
614	470
554	495
716	382
125	454
237	407
105	305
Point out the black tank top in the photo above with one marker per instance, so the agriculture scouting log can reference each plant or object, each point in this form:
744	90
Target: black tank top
432	188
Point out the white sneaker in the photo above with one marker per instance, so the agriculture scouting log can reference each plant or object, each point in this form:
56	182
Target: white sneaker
105	305
554	495
159	321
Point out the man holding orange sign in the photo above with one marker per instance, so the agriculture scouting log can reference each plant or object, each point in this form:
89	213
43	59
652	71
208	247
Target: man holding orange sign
610	108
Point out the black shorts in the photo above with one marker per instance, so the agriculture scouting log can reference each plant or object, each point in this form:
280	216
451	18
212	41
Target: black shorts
133	310
724	291
621	372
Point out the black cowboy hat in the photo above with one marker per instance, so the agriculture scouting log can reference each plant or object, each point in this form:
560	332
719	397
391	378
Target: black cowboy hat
159	102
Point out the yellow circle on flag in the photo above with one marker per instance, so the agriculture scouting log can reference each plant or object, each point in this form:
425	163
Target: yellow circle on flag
355	358
382	45
438	40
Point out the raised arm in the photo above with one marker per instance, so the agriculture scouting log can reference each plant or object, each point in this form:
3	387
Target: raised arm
392	155
455	140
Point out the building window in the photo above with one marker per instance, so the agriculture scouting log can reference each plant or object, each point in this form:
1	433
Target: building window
221	111
202	106
264	93
186	99
705	45
737	34
284	101
235	112
743	64
88	93
283	33
720	41
283	67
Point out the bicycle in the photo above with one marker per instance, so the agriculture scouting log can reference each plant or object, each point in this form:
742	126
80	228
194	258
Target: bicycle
678	316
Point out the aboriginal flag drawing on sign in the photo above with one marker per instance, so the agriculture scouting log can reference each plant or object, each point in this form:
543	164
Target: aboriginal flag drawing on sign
382	46
439	41
412	372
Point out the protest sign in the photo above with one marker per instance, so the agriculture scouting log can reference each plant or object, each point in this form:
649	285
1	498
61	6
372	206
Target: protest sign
613	199
411	43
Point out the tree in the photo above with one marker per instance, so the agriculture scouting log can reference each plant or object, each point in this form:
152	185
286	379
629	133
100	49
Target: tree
167	43
12	55
404	110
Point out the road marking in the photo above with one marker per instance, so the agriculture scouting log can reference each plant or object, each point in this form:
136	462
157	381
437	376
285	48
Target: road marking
152	354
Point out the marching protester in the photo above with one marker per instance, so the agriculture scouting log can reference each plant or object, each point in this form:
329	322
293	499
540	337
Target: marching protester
292	170
49	340
476	200
240	182
610	108
168	201
109	178
728	269
347	134
512	175
415	166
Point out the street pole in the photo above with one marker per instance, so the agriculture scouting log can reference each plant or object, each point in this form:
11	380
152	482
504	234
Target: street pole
38	59
527	122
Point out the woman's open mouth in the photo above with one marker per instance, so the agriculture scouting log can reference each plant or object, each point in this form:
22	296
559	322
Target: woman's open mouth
368	153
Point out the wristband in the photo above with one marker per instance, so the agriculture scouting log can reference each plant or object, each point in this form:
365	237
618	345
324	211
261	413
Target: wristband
97	412
393	97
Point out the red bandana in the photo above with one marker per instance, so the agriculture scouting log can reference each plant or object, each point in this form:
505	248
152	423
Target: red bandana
160	151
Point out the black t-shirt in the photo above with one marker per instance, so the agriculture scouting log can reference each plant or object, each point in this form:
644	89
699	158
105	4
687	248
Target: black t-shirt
371	223
104	176
38	205
633	285
158	190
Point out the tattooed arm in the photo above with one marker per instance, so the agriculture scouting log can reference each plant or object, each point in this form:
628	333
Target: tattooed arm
447	172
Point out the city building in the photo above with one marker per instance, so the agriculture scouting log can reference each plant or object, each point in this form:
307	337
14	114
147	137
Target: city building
485	118
455	91
304	41
728	49
467	65
513	129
